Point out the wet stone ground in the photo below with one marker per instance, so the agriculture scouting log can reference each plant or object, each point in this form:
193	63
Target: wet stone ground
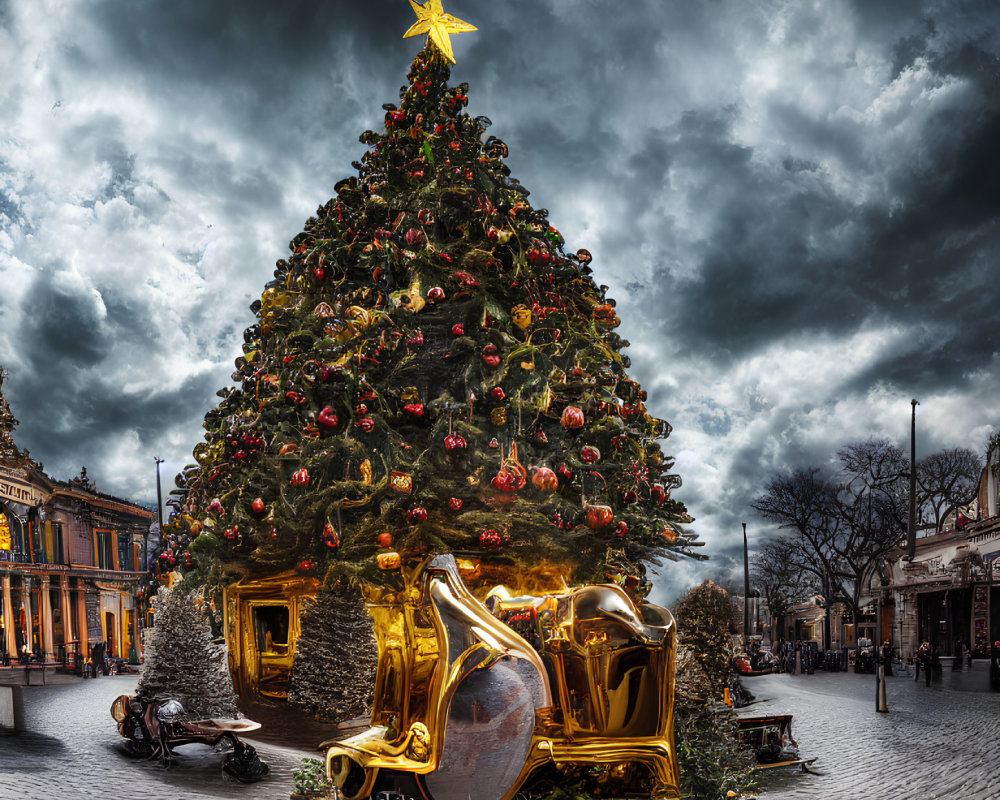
936	743
72	749
940	742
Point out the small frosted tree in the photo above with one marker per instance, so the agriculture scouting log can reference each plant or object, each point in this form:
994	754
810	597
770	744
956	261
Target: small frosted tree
333	676
182	660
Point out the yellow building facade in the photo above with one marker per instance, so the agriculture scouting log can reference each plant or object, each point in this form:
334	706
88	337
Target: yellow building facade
71	559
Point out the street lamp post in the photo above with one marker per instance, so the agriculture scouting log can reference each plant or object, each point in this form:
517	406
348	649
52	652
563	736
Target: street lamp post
880	701
746	592
911	528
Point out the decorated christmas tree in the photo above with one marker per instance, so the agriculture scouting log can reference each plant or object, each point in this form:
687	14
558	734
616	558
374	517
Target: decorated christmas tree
431	370
183	662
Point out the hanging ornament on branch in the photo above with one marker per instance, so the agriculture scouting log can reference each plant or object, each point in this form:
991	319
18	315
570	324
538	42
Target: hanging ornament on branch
512	476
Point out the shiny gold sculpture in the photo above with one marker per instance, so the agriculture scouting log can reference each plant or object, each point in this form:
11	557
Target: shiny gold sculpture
262	628
432	20
473	697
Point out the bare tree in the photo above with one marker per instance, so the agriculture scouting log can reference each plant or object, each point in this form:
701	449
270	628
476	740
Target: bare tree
805	503
776	571
842	526
872	504
946	481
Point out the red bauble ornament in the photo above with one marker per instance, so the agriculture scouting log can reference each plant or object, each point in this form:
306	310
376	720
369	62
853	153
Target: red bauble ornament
572	418
326	419
458	329
544	479
466	279
630	496
320	273
455	503
657	493
435	293
416	340
416	514
414	409
454	442
384	539
366	424
497	393
505	481
257	506
491	356
330	536
599	517
300	477
489	539
305	565
590	455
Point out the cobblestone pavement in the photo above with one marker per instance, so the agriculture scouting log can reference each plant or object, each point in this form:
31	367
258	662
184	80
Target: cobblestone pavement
936	743
71	749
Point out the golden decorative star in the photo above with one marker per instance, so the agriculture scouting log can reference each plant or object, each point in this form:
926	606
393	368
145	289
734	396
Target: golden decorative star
432	20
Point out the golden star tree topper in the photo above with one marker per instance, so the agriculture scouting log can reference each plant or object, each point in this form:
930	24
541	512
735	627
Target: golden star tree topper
432	20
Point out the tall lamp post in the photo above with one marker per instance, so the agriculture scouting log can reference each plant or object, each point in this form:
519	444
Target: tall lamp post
911	528
746	592
159	514
880	702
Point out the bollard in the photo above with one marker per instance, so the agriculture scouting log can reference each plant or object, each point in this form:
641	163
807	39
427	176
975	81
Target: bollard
11	708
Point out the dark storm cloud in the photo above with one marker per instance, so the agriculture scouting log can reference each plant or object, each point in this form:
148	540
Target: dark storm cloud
72	417
758	274
65	328
794	204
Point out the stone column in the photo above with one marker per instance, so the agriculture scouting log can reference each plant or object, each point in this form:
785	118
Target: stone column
8	620
47	641
26	601
67	608
81	610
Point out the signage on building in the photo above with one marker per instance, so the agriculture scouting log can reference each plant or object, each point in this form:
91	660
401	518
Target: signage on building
19	491
4	532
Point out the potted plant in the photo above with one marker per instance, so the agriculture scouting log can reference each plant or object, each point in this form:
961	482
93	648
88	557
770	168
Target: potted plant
310	780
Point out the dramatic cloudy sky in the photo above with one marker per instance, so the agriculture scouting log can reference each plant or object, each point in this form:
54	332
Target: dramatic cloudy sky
795	204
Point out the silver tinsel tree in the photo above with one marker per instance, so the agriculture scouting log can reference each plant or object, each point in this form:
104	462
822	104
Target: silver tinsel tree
182	660
333	677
